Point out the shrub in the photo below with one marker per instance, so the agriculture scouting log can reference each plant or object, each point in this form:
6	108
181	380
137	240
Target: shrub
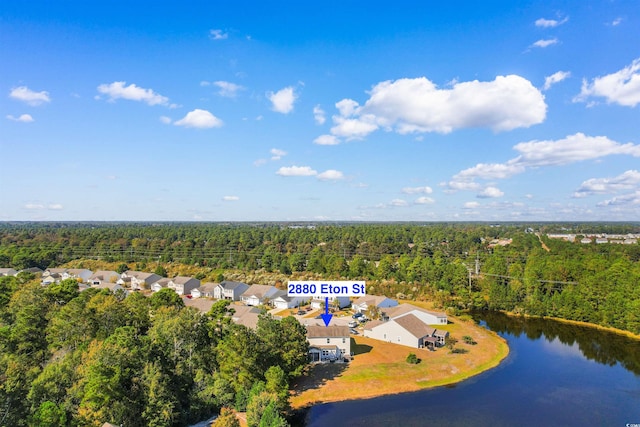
413	359
469	340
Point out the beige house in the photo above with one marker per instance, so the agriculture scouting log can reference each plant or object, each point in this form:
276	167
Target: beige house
103	277
138	279
328	343
407	330
363	303
183	285
258	294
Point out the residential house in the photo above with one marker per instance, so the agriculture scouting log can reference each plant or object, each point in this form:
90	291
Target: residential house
201	304
258	294
112	286
103	277
318	302
408	330
51	278
230	290
205	290
52	275
80	274
8	272
245	315
183	285
138	279
428	317
284	301
328	343
33	270
363	303
160	284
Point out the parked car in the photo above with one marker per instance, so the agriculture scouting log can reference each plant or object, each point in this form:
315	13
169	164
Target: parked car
353	324
301	312
357	315
353	331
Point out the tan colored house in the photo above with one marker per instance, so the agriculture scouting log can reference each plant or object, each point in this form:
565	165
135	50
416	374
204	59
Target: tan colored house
258	294
183	285
328	343
138	279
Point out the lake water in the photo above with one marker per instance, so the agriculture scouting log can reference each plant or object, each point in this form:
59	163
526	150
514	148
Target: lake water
555	375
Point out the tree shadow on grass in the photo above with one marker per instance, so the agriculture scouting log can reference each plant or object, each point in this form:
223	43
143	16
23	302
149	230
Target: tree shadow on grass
317	375
357	349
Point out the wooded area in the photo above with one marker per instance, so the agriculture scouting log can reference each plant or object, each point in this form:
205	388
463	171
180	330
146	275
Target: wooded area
596	283
82	359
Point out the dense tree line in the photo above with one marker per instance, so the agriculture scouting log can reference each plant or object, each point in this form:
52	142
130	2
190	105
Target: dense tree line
82	359
595	283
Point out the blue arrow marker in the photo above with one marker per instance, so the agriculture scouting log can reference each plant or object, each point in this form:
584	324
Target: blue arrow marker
326	316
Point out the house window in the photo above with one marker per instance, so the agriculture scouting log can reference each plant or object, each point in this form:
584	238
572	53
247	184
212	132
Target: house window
385	336
398	338
344	340
328	340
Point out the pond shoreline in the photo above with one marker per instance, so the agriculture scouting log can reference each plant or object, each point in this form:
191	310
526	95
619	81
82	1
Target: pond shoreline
382	370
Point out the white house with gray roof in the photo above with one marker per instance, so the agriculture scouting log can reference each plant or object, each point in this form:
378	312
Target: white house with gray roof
8	272
229	290
427	316
258	294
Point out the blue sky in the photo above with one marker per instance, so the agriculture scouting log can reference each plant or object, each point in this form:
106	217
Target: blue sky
367	111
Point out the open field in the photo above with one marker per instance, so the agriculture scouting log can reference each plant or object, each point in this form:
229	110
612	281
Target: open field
379	368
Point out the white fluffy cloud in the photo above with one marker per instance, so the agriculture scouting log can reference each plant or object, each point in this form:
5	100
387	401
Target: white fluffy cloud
471	205
231	198
399	203
198	118
628	180
417	190
30	97
326	140
24	118
319	115
40	206
533	154
218	35
632	199
166	120
424	200
550	23
490	192
555	78
228	89
621	87
282	101
330	175
419	106
277	154
296	171
118	90
545	43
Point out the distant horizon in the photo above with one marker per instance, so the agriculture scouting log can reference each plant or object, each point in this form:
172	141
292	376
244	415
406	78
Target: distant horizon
397	112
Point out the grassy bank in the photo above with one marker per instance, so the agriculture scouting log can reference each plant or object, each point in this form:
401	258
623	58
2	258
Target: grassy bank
380	368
